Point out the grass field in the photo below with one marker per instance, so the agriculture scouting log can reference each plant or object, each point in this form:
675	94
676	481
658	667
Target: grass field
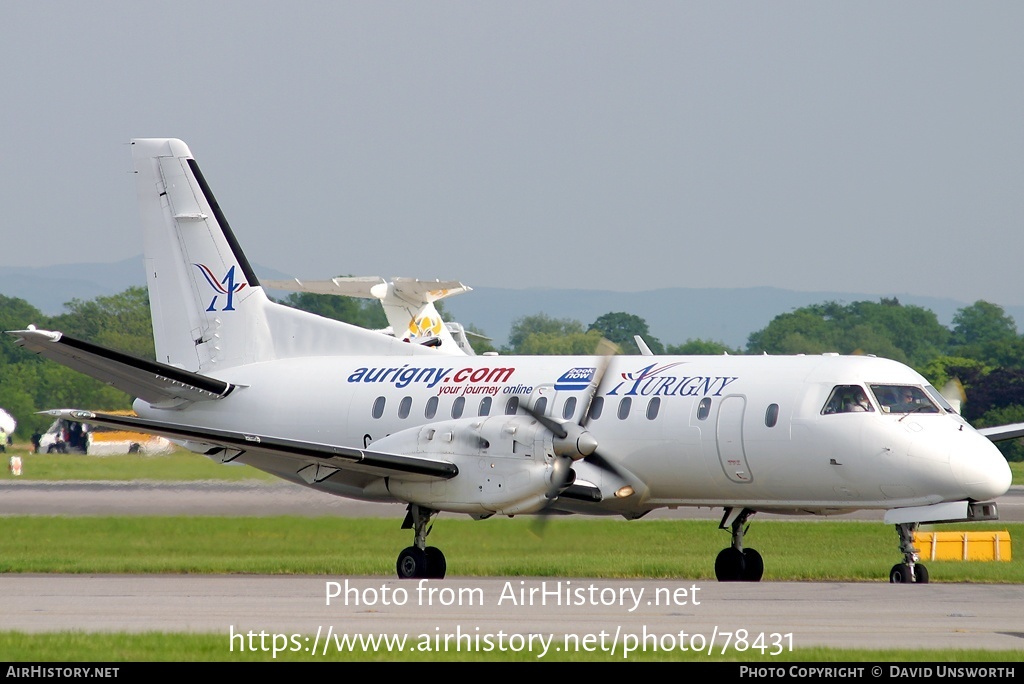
185	647
570	547
178	465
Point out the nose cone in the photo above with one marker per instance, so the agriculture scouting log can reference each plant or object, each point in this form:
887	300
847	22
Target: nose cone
981	470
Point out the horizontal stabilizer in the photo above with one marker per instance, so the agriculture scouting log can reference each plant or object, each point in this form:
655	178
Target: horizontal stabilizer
157	383
340	457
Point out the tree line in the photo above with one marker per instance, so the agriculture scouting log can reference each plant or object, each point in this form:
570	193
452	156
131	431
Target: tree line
980	353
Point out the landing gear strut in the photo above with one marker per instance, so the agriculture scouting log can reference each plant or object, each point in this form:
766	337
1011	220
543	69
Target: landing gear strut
736	564
909	571
420	561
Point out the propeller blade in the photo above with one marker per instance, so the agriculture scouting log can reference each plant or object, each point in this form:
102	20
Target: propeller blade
604	464
572	440
553	426
606	349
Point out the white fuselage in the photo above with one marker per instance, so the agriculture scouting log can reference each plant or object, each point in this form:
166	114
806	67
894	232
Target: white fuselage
708	438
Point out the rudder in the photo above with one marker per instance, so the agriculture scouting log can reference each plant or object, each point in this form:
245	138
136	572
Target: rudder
207	305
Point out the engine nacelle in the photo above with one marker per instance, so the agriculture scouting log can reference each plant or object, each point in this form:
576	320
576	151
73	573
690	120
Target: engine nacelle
505	464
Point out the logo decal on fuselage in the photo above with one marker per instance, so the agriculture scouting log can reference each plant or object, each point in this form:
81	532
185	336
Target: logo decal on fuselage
225	286
652	381
481	380
575	379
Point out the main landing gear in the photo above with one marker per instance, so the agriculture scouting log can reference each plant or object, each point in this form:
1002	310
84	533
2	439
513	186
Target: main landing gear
736	564
909	571
420	561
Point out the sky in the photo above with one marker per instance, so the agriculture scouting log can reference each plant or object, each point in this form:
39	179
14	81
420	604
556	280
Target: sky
863	146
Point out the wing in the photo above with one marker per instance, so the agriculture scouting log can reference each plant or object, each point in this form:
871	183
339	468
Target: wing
1002	433
315	462
413	290
159	384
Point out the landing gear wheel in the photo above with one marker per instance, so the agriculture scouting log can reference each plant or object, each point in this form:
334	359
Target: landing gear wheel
900	574
729	565
736	564
420	561
753	566
909	571
412	563
436	564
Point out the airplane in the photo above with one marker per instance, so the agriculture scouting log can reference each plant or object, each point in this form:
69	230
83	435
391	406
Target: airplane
243	379
408	304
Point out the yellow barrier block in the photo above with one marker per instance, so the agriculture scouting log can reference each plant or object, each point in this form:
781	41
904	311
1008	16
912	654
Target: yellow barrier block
989	545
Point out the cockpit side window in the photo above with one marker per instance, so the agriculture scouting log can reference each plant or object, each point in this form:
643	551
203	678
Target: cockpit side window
847	399
903	399
939	399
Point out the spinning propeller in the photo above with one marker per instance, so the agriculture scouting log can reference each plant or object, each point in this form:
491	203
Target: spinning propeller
572	441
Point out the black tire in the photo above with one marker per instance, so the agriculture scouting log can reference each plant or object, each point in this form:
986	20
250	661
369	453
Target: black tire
412	563
436	564
729	565
920	574
753	566
900	574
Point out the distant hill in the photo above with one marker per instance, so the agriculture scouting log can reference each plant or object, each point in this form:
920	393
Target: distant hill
48	288
674	315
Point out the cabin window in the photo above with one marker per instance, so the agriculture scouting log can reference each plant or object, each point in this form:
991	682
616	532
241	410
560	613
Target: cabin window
512	406
704	408
570	408
653	406
541	406
378	407
404	407
847	399
431	408
458	407
485	407
624	407
771	416
596	406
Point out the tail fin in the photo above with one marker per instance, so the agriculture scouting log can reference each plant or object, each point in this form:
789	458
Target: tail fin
208	307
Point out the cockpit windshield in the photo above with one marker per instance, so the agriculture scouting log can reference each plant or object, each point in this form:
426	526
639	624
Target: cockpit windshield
903	399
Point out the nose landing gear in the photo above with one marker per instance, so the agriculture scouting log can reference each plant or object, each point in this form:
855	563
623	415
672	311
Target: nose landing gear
909	571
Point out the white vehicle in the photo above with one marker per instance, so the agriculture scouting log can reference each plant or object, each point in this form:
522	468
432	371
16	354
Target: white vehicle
66	436
352	412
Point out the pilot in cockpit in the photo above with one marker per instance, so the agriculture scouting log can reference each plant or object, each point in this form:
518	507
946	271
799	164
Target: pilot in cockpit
854	400
907	400
848	399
